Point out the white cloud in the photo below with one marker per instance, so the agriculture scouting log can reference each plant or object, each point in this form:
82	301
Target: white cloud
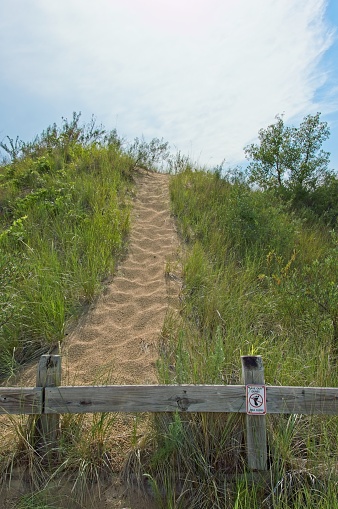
203	74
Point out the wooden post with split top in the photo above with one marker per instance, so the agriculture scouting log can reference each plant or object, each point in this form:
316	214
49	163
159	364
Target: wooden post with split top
47	425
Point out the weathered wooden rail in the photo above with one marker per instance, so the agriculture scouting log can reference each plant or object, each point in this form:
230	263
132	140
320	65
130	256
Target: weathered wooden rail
186	398
164	398
48	399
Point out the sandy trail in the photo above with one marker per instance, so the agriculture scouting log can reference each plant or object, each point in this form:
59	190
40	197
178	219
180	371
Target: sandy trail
117	340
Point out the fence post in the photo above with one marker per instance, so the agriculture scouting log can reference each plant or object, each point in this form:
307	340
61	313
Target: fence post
253	373
47	425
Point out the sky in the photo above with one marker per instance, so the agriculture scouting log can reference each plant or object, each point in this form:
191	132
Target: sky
205	75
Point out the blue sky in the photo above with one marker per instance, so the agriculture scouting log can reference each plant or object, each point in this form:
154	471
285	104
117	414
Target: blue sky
205	75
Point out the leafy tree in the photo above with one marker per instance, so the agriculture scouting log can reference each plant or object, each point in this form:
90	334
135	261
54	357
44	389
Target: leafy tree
289	158
310	163
272	156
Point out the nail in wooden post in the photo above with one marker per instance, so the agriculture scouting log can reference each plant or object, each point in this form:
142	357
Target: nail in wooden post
253	373
47	425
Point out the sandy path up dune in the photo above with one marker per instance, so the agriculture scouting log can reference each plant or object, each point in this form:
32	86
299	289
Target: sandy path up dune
116	342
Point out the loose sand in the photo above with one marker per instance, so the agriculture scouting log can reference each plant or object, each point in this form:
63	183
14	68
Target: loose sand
118	337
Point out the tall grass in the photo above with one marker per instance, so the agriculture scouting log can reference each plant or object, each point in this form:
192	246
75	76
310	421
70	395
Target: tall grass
258	280
65	214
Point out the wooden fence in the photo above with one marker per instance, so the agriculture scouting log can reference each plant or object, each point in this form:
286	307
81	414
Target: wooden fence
49	399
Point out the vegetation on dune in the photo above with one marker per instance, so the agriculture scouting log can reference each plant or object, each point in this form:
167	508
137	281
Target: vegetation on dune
259	271
64	215
65	203
260	280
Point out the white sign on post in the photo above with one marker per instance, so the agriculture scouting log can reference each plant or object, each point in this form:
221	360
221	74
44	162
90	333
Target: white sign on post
256	399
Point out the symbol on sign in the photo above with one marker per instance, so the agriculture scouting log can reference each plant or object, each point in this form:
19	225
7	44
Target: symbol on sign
256	400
